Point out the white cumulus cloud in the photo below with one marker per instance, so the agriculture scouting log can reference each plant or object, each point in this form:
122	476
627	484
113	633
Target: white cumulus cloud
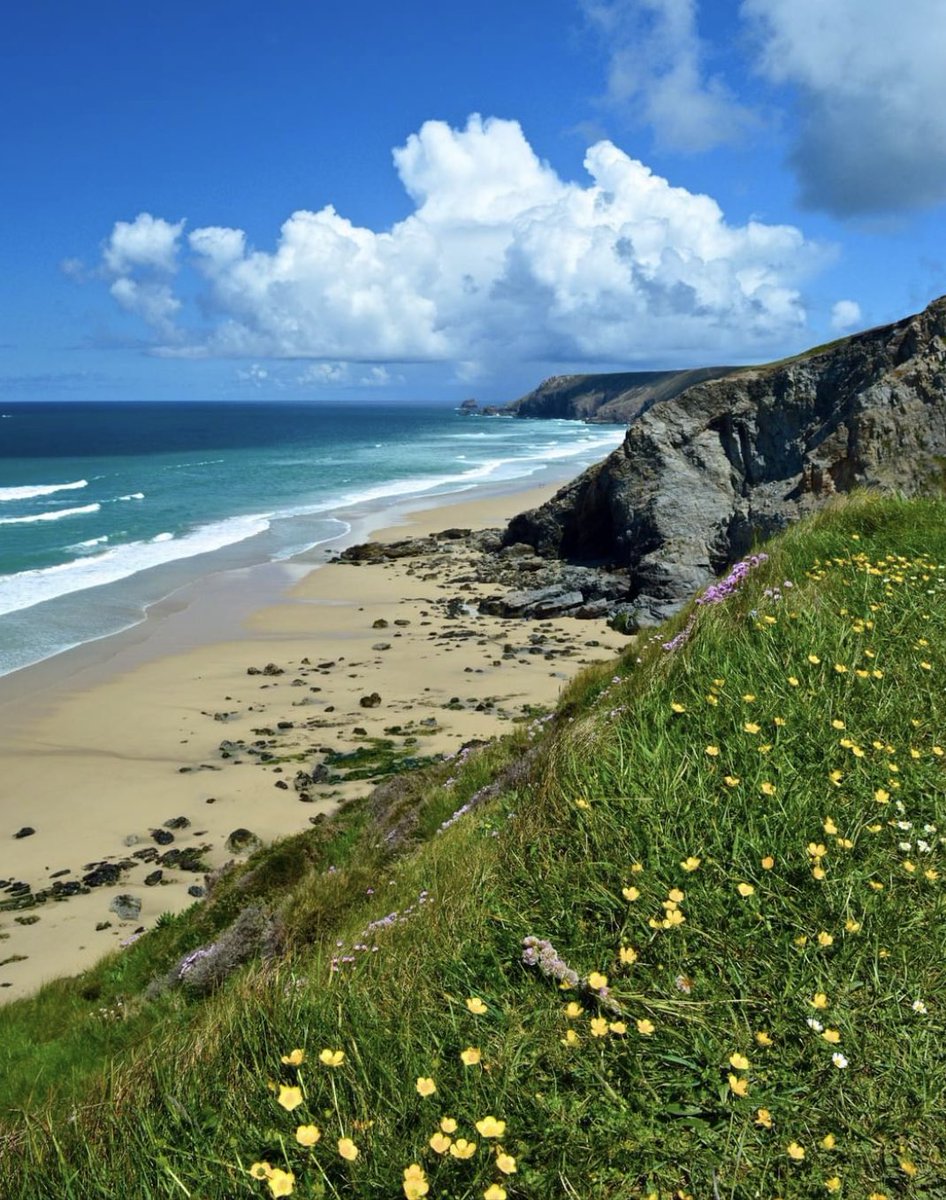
845	315
501	259
870	78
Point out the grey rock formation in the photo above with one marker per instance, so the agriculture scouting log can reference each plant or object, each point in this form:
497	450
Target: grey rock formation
610	398
704	475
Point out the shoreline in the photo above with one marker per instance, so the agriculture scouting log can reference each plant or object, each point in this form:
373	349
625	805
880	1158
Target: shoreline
130	728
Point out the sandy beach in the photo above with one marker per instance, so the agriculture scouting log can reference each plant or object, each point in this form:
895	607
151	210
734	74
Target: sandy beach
195	724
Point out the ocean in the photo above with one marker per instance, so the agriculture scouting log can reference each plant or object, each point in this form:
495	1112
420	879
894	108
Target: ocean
106	508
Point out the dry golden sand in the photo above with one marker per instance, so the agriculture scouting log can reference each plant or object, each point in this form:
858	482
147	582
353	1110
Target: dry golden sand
96	755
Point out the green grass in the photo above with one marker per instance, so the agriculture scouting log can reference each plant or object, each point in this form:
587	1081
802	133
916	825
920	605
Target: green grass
805	884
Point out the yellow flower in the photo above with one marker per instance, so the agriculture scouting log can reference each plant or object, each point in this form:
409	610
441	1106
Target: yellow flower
582	803
840	668
711	699
814	659
825	938
829	826
570	1038
308	1135
768	863
617	1027
261	1170
415	1182
630	893
294	1059
289	1097
448	1125
332	1058
926	666
832	1035
425	1085
573	1009
852	926
829	1141
505	1162
763	1038
628	955
281	1182
833	1184
645	1027
817	849
636	868
875	885
764	1118
907	1167
819	1000
745	889
712	751
818	872
795	1152
494	1192
739	1061
677	708
599	1027
597	981
691	863
793	681
751	727
673	918
470	1056
731	780
931	874
489	1127
676	895
347	1149
908	866
835	777
461	1148
476	1006
767	789
779	721
739	1087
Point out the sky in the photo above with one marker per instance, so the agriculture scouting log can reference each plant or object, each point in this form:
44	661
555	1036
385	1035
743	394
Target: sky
310	201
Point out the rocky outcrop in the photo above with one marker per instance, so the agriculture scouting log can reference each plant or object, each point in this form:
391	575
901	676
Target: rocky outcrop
606	399
705	474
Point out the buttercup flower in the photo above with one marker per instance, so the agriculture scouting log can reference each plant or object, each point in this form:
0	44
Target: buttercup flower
828	1142
489	1127
768	863
630	893
289	1097
332	1058
470	1056
739	1061
261	1170
425	1086
825	938
645	1027
691	863
461	1148
617	1027
599	1027
294	1059
281	1182
795	1152
764	1118
448	1125
745	889
494	1192
819	1000
440	1143
832	1035
476	1006
307	1135
833	1184
597	981
347	1149
505	1162
627	955
763	1038
571	1038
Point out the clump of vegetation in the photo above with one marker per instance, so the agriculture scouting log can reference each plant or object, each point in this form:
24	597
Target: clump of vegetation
691	946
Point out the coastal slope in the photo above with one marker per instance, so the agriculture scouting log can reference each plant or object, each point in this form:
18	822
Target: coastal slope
703	475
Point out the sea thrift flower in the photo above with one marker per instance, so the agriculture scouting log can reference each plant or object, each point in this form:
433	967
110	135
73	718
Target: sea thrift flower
539	952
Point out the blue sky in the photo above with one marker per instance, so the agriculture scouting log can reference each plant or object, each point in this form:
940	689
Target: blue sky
345	201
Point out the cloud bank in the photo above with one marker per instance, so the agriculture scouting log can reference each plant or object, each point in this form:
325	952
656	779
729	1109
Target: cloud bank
870	78
501	259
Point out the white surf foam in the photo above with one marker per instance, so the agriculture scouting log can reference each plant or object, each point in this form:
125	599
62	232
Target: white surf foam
47	583
133	496
56	515
30	491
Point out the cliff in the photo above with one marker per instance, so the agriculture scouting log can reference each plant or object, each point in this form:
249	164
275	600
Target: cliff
605	399
710	471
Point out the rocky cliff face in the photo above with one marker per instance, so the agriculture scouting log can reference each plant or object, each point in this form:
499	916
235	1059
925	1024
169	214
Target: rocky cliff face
605	399
703	475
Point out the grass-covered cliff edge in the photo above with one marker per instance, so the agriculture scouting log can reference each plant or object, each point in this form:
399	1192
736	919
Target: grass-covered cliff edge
730	853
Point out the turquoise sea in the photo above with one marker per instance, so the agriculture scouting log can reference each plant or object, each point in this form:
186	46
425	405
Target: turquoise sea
106	508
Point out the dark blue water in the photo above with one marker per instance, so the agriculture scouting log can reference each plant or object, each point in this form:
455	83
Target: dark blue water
93	496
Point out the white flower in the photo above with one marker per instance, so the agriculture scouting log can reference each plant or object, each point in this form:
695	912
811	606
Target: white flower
839	1061
929	828
923	847
815	1025
904	846
919	1007
904	824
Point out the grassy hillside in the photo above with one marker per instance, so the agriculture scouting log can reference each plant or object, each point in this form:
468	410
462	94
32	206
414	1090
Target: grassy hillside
687	940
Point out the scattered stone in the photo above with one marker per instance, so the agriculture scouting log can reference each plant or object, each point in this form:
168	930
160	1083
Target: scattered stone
162	836
381	646
177	823
131	840
242	841
371	701
102	874
381	623
125	907
196	891
154	878
26	831
103	925
30	920
59	874
282	785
